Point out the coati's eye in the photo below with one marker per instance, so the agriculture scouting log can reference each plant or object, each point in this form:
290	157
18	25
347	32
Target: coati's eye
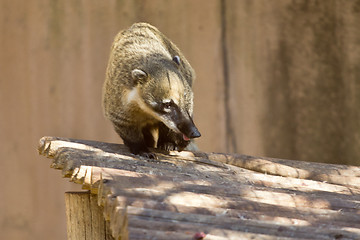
167	104
176	59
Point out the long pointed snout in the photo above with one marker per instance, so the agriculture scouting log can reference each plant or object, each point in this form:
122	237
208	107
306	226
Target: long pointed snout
189	130
194	132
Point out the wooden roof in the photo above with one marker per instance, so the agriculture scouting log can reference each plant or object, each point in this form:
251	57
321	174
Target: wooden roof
182	195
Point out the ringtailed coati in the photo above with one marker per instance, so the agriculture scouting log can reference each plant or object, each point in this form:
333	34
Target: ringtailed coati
147	92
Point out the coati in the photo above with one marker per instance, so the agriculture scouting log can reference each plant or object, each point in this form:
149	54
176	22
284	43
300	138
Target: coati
147	93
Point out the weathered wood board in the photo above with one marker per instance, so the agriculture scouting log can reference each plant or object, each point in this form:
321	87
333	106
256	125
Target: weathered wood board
224	196
85	218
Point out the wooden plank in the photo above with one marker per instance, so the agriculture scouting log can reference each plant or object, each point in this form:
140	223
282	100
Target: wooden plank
215	234
230	191
325	234
252	190
84	217
282	217
147	234
331	173
256	211
179	222
180	194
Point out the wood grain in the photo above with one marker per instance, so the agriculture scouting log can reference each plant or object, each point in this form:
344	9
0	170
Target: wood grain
84	217
182	194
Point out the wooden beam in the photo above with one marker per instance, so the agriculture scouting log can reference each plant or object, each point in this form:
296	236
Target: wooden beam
180	195
330	173
85	218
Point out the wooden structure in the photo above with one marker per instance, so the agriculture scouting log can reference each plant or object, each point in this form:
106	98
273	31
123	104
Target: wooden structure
275	78
193	195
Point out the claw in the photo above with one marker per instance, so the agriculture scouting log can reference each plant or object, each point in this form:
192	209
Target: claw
148	155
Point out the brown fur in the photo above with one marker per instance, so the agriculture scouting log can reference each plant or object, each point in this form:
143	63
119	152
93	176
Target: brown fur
129	98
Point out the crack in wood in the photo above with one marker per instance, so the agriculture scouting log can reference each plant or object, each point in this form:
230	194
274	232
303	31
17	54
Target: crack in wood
231	145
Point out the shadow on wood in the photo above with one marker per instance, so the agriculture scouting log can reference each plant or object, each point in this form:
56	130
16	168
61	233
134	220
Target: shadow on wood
180	195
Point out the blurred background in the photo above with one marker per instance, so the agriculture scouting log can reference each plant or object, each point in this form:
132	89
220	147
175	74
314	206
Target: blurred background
275	78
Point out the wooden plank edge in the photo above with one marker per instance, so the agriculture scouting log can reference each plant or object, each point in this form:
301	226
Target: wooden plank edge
179	222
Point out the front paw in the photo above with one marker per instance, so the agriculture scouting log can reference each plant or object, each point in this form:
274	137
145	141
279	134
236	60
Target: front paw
148	155
140	149
171	146
168	146
144	153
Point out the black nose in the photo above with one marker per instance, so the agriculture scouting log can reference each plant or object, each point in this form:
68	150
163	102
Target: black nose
194	133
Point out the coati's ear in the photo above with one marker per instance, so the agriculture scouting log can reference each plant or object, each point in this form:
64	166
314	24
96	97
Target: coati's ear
176	59
138	75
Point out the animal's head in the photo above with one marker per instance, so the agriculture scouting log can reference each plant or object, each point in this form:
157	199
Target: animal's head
165	92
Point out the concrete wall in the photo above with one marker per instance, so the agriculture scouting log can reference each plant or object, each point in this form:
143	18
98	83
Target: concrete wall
274	78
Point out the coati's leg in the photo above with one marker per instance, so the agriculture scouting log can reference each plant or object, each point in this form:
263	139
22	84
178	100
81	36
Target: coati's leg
134	140
151	135
170	140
